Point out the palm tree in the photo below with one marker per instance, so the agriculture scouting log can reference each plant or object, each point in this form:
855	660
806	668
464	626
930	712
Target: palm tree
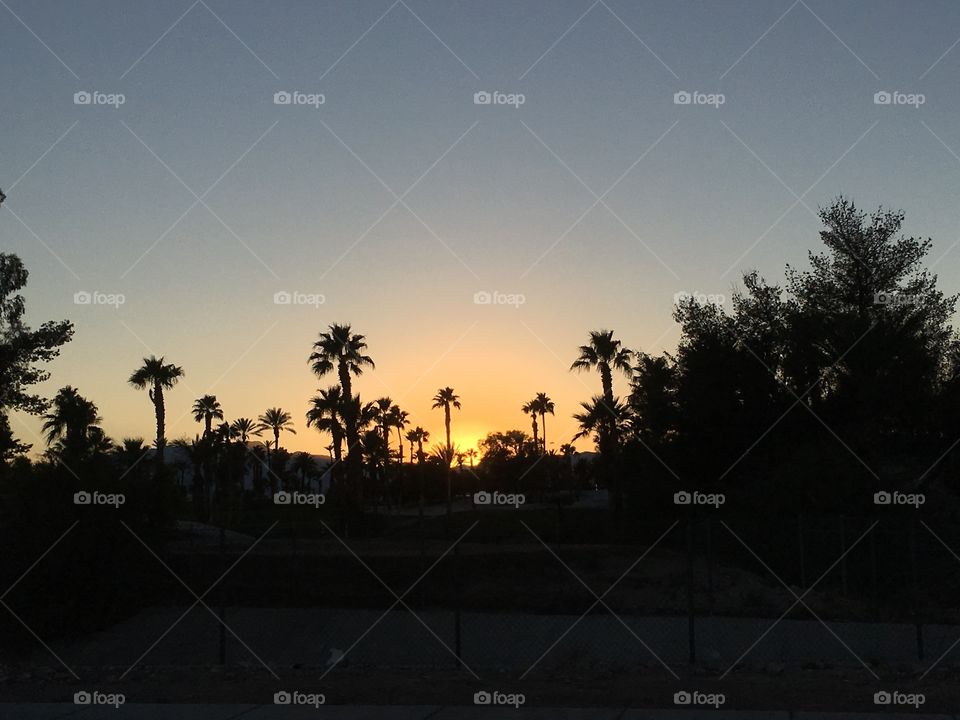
419	436
276	419
532	409
382	407
157	376
399	419
600	417
303	464
243	428
444	398
72	419
341	350
205	410
545	405
604	354
326	415
471	453
129	451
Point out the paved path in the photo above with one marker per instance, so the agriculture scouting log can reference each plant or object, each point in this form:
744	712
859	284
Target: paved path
289	636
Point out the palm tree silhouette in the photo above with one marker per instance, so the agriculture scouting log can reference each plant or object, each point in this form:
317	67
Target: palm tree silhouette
544	405
243	428
471	453
600	418
303	464
326	415
382	407
72	419
341	350
157	376
532	409
419	436
604	354
444	398
398	419
205	410
275	420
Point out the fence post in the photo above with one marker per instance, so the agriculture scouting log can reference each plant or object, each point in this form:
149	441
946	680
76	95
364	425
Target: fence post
803	559
916	587
843	562
457	641
710	564
222	649
691	627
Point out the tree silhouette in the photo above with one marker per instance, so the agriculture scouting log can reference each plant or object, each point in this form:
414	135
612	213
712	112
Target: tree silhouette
532	408
73	421
243	428
446	398
398	419
156	376
205	410
341	350
276	420
326	414
22	351
544	405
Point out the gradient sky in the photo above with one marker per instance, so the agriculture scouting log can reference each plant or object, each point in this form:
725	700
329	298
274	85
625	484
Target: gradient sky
293	198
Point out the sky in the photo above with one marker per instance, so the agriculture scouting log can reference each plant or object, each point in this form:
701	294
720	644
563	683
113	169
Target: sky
183	197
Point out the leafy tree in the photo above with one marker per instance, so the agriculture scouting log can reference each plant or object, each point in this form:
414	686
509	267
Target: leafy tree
22	351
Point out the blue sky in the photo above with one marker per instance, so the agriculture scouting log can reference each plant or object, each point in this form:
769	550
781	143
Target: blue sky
399	198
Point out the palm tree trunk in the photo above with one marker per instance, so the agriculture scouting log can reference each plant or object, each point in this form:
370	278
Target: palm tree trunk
543	430
354	458
160	412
